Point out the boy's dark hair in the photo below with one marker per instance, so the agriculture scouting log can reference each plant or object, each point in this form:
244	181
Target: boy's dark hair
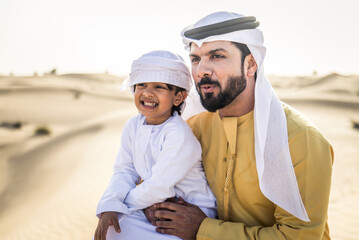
177	90
245	52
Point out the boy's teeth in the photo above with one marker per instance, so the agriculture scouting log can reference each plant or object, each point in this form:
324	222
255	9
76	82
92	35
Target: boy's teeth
149	104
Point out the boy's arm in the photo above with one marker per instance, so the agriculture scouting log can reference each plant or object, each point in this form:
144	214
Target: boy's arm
123	179
180	152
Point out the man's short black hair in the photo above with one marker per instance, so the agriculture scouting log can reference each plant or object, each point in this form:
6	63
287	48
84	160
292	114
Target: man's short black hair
243	48
245	52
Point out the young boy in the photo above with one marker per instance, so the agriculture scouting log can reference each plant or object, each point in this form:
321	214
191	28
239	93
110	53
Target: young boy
157	148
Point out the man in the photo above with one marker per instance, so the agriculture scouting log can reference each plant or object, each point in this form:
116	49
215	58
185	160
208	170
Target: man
268	167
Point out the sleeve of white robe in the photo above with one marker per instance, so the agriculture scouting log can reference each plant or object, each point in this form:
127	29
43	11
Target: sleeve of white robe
180	152
123	179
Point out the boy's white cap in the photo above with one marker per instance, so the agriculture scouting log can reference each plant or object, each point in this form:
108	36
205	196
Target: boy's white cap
159	66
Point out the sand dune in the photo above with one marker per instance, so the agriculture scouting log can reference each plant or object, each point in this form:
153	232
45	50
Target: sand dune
50	184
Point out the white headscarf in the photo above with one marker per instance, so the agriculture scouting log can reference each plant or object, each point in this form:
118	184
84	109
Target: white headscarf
276	175
159	66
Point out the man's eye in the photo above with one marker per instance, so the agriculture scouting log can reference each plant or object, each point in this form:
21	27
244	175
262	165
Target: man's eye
216	56
195	59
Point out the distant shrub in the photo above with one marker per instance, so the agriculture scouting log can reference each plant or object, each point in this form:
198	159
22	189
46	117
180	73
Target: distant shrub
355	124
11	125
77	94
42	130
53	72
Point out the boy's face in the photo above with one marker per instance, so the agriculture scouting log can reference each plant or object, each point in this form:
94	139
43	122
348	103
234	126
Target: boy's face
154	100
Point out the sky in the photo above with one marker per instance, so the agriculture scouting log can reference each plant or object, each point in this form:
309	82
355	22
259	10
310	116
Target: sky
98	36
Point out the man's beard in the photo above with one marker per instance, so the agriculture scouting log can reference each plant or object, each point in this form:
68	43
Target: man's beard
235	86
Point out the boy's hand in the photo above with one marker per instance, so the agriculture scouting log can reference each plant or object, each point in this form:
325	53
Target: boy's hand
107	219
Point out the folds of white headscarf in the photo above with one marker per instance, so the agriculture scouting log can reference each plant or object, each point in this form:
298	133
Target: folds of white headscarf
275	170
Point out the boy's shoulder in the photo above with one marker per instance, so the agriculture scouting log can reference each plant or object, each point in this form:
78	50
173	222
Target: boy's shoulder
133	120
178	128
176	122
132	124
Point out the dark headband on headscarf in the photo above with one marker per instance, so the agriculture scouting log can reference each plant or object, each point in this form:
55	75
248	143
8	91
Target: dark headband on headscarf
222	28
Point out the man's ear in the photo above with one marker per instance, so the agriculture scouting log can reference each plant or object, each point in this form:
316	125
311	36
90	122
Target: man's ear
180	97
251	65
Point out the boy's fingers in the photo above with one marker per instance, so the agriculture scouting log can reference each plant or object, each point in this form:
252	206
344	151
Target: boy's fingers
100	234
116	225
103	232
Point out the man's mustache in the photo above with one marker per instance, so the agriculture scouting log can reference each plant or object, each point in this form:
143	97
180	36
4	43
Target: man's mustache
207	80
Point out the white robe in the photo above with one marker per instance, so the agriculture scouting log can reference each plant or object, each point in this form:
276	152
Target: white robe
167	157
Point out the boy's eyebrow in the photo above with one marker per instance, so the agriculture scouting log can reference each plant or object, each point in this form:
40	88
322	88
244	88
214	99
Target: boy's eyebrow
210	52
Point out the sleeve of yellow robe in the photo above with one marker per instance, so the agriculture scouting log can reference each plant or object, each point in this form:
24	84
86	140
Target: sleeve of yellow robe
312	158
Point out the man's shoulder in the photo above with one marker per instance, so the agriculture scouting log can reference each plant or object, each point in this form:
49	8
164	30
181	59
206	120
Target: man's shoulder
298	124
201	123
201	118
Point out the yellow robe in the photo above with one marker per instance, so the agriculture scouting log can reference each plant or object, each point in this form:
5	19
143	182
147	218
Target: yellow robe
250	214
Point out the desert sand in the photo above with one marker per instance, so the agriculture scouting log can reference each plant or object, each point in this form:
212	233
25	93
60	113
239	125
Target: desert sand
59	136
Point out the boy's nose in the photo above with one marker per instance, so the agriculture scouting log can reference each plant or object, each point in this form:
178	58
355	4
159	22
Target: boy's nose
148	93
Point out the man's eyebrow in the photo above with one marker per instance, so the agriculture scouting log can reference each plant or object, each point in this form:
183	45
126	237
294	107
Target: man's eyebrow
216	50
210	52
193	55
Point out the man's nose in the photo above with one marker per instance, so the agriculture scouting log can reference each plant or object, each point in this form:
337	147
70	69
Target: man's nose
204	68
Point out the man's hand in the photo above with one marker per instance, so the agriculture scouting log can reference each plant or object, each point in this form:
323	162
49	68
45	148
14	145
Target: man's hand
107	219
152	208
183	219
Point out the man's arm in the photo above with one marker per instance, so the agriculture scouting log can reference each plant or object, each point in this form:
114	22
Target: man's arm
313	166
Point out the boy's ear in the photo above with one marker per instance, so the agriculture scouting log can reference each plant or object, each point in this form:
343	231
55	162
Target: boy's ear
180	97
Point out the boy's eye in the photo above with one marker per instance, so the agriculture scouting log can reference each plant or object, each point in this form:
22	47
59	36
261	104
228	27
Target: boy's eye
140	85
161	87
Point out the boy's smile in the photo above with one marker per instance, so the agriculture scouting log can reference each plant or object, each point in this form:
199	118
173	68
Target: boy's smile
148	104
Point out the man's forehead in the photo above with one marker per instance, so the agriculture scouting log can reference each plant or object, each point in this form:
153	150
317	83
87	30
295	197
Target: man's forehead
211	46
